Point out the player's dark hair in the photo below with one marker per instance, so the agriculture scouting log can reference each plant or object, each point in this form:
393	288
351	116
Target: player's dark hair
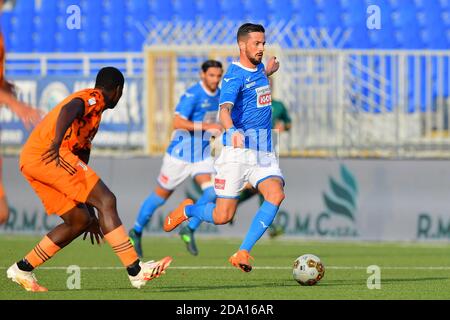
211	64
109	78
247	28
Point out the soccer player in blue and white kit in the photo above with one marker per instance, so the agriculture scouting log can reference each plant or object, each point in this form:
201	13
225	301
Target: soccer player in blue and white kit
247	155
188	153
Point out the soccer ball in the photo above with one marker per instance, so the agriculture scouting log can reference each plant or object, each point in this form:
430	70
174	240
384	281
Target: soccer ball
308	270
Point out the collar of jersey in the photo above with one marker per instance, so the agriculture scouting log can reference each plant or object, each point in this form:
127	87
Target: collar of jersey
209	93
245	68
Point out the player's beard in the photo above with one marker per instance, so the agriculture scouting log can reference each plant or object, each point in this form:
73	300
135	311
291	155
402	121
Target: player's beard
255	60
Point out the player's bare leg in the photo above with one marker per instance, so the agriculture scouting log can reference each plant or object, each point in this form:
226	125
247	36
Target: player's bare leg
76	221
4	209
156	199
105	202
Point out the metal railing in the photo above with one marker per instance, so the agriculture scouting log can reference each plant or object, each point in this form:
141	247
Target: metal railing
67	64
344	103
348	103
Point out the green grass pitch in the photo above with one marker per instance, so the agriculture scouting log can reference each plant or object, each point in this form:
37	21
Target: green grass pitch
408	271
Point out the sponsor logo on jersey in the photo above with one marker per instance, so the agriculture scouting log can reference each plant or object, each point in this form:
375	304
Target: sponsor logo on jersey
264	97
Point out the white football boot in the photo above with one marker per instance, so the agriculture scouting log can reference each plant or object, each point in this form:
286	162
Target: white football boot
149	271
26	279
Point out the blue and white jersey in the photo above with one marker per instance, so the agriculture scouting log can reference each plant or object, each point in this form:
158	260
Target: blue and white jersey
196	105
249	92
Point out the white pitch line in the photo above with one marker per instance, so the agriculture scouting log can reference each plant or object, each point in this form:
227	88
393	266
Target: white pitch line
258	268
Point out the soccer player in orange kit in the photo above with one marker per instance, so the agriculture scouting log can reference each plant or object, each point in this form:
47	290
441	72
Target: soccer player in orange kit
54	161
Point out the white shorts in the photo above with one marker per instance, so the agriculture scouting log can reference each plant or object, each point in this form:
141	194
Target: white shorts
174	171
235	167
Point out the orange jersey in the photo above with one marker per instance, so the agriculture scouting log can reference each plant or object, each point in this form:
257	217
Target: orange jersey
79	135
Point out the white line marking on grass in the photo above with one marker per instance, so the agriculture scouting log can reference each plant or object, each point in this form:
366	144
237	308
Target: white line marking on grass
256	267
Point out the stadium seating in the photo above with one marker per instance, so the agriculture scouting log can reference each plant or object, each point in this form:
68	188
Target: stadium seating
113	25
116	25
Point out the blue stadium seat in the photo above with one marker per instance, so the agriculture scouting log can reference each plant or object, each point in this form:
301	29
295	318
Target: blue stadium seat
162	10
305	13
232	10
359	38
330	14
6	28
5	23
21	38
134	41
354	13
113	41
434	38
186	10
49	7
281	10
209	10
45	27
90	41
259	13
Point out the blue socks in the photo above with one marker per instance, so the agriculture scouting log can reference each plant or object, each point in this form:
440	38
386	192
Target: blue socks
149	206
203	212
262	220
209	195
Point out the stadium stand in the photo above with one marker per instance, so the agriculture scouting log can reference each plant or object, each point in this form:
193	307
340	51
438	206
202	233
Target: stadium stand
116	26
406	24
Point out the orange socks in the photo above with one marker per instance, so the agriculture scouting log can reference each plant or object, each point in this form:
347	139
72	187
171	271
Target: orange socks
119	241
42	252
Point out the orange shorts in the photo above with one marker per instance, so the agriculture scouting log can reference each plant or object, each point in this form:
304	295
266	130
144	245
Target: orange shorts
60	188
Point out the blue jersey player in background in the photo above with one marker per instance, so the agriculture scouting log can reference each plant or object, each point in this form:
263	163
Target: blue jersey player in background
188	153
247	155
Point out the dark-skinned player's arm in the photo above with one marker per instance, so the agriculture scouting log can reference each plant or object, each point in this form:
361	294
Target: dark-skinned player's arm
84	155
226	121
93	230
71	111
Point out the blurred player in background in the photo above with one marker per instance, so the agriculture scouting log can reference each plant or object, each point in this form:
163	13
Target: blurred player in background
281	122
188	153
247	155
29	116
54	161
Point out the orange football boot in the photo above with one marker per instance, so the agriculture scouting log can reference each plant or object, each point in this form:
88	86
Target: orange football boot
178	216
241	260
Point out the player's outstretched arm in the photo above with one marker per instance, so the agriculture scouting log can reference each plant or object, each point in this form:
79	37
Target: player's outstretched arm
181	123
28	115
272	66
74	109
227	123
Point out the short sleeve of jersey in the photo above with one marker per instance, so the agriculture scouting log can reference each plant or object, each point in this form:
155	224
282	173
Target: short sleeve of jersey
186	106
93	101
230	89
